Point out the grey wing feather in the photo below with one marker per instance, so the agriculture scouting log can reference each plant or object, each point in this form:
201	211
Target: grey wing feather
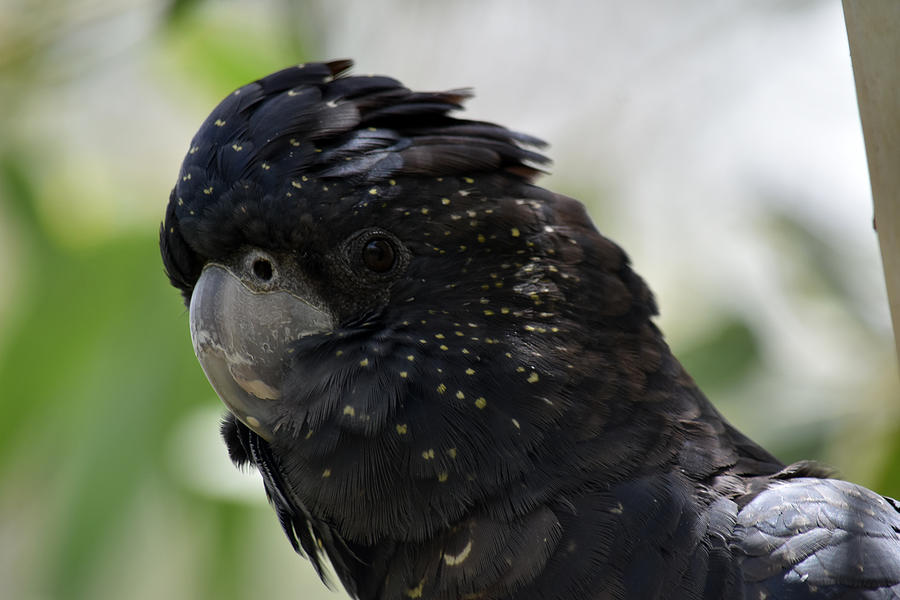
819	538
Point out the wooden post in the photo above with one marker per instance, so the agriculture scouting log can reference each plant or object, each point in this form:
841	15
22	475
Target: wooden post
873	29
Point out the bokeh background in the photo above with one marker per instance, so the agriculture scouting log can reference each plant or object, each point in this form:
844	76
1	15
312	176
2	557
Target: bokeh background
717	141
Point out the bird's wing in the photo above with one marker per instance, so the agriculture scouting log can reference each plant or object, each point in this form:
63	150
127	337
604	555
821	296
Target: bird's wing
819	538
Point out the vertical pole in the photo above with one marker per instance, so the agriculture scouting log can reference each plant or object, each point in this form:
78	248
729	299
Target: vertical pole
873	30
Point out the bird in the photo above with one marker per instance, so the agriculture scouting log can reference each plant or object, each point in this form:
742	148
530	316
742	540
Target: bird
453	385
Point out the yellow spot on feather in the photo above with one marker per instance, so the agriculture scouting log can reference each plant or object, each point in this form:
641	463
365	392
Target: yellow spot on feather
416	592
455	559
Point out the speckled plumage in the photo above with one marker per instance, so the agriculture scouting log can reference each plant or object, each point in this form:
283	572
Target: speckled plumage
496	416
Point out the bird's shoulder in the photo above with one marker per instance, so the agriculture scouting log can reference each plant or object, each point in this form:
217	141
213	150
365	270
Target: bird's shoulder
814	537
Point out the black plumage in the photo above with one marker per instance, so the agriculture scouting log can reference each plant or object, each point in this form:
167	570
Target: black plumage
478	404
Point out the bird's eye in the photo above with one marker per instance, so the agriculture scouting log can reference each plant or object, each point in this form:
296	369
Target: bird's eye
378	255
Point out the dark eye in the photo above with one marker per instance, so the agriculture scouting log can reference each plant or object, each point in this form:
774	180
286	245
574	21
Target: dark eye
378	255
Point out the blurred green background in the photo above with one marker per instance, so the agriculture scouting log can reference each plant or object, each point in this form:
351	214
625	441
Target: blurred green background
113	483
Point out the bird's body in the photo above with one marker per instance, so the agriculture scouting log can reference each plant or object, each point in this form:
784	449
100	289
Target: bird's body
450	381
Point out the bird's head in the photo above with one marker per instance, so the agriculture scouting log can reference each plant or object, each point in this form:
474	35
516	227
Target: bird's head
378	291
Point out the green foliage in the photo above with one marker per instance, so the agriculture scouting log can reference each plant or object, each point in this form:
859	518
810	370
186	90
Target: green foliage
214	50
724	357
96	370
96	366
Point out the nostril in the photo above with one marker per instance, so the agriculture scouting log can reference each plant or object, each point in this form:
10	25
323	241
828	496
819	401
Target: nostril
262	268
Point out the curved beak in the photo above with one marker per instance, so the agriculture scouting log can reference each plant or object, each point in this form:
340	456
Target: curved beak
242	339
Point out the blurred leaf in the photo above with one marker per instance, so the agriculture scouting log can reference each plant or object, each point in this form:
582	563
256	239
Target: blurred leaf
221	53
18	191
820	270
97	368
800	443
888	482
180	9
723	357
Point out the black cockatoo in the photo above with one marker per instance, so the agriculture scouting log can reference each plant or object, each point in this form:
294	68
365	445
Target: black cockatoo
452	384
